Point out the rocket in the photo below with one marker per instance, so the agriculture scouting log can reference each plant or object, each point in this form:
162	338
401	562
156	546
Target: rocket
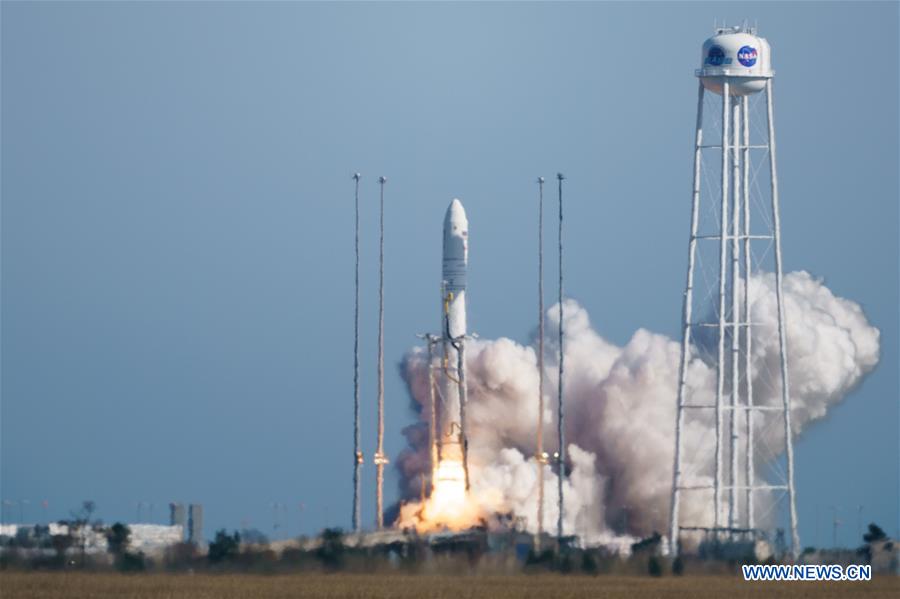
452	440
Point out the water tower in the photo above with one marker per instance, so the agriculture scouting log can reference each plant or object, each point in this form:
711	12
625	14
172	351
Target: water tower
731	188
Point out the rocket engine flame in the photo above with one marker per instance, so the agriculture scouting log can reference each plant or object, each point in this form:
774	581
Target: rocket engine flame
449	506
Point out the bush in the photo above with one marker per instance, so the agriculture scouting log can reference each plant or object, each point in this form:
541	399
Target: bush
224	547
132	562
331	552
539	560
117	538
875	534
588	563
565	562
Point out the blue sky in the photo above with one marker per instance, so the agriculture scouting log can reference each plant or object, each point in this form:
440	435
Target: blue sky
177	252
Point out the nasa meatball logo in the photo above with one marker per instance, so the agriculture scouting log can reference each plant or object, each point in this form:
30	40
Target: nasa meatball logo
716	56
747	56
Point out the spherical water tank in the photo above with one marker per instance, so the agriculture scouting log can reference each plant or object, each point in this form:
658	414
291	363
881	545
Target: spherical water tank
740	57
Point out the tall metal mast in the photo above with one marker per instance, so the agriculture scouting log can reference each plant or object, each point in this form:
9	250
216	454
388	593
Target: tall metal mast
380	458
539	451
561	431
357	453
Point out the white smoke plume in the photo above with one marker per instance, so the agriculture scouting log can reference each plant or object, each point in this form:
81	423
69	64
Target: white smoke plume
620	405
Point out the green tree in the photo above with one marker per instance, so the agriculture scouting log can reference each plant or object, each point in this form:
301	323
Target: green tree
117	539
588	562
875	534
132	562
224	546
61	544
331	551
81	523
654	567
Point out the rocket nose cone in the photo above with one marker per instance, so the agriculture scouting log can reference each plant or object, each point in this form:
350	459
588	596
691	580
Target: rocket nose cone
456	215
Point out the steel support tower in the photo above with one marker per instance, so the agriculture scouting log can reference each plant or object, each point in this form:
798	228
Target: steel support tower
736	66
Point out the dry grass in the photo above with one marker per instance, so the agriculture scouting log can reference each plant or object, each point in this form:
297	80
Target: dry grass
19	585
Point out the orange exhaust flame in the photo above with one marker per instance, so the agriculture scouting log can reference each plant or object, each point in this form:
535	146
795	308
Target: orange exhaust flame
449	507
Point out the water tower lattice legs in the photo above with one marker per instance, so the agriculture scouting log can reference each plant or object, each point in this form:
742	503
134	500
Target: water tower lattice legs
733	322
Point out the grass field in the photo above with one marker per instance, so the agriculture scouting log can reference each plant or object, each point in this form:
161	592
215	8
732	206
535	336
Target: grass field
18	585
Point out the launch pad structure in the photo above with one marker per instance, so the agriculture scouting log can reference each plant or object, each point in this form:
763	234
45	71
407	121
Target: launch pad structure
737	68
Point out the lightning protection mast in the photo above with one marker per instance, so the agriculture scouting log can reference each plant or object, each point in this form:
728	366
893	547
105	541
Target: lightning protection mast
380	458
357	453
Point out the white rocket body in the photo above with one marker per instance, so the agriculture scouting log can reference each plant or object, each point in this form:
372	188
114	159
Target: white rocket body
453	326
